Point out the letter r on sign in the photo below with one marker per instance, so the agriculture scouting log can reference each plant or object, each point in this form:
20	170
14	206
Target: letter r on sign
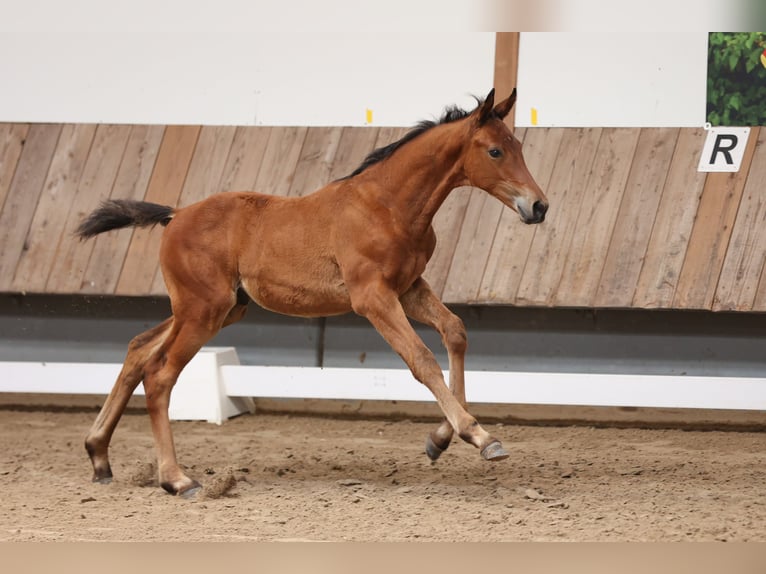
723	149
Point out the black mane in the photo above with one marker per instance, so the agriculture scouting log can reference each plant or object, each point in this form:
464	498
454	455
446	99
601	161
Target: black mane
451	114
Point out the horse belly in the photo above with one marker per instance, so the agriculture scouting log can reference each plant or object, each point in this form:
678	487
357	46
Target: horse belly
299	294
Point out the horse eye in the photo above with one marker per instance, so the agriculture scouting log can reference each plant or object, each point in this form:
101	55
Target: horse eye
495	152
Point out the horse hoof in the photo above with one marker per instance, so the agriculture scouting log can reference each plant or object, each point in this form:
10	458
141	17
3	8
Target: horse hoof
432	450
494	451
187	491
102	479
192	491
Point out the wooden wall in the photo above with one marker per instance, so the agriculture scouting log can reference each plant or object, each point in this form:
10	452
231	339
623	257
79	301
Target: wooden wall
632	223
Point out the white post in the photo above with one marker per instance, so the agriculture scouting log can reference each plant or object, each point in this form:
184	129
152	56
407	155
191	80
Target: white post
199	393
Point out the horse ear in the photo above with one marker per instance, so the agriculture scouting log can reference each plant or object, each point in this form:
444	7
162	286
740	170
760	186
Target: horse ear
504	108
486	108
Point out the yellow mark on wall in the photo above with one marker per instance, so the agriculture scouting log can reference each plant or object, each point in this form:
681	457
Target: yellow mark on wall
369	116
533	114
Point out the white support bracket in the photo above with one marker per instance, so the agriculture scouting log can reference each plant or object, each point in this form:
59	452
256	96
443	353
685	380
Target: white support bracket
200	393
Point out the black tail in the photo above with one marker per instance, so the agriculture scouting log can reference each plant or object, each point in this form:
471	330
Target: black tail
119	213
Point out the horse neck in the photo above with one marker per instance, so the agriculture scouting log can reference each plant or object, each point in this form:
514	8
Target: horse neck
419	176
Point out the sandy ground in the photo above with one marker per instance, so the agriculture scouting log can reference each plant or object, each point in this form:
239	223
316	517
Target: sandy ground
304	478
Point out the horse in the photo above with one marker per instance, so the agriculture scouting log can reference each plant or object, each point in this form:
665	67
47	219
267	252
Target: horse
360	243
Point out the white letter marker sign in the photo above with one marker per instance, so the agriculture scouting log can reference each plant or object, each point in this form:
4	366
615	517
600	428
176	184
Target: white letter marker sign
723	149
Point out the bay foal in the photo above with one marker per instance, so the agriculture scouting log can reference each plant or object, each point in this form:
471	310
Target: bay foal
360	243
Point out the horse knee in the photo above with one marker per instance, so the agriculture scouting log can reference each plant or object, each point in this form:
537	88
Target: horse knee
424	366
454	335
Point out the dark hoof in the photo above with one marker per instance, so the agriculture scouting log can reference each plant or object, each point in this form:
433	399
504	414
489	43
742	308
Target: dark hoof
187	491
494	451
102	476
432	450
192	491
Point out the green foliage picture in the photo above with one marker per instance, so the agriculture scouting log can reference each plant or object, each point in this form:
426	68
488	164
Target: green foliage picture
736	79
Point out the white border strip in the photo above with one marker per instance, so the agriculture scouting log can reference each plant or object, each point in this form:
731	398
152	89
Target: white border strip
576	389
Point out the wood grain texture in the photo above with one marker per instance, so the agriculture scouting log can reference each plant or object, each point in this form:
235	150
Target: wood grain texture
206	168
551	246
23	194
12	138
746	254
245	158
596	218
469	259
316	160
165	185
282	154
203	178
759	304
512	241
96	183
110	249
710	235
633	226
477	235
447	224
47	230
354	145
673	224
635	218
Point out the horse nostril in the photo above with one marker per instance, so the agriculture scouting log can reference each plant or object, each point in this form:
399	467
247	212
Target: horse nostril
539	209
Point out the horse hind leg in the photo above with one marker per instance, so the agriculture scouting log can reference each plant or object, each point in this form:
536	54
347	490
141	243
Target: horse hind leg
100	434
181	344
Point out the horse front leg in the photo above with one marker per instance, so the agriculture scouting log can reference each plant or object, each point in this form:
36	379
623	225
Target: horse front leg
382	307
421	304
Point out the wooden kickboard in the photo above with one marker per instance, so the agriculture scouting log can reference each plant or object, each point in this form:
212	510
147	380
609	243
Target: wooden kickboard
597	214
110	249
23	195
316	159
513	239
12	138
552	241
47	233
710	235
635	219
245	158
673	224
167	180
474	244
746	254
